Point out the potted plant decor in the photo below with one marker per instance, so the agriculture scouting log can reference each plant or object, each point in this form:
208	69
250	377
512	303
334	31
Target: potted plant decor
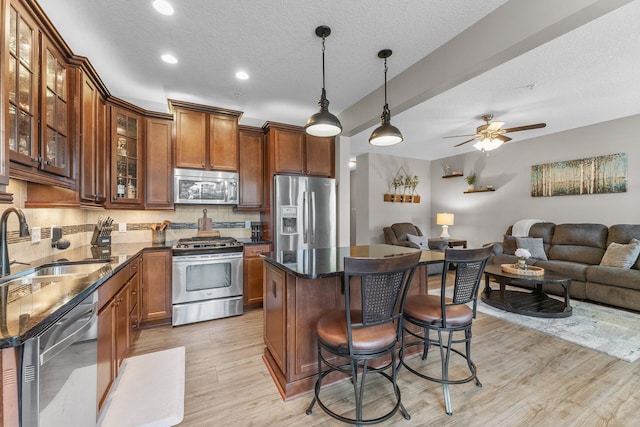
471	180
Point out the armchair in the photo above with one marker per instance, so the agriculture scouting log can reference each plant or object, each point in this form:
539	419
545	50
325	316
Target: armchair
397	233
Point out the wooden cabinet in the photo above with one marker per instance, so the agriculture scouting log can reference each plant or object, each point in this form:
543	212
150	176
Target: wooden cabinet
206	137
93	185
115	307
156	287
320	156
126	158
135	299
158	159
251	167
252	273
292	151
274	313
40	112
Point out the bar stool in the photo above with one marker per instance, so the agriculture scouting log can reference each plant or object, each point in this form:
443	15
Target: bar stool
447	314
374	290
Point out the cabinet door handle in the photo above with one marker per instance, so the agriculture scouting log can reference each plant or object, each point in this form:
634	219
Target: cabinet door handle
273	288
203	165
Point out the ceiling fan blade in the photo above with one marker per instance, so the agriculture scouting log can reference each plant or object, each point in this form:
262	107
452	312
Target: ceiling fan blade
502	138
519	128
494	126
460	136
464	142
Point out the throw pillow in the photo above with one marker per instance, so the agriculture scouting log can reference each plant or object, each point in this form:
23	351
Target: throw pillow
509	245
421	241
623	256
533	245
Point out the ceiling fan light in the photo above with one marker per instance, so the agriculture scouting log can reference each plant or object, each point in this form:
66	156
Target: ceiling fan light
488	144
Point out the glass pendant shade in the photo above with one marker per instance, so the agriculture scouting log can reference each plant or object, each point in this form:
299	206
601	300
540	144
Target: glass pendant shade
323	123
386	134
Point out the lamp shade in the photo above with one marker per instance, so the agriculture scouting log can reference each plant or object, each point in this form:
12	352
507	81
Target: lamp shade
323	123
384	135
444	218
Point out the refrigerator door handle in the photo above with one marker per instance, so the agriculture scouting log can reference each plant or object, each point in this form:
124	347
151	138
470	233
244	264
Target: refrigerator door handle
312	218
305	218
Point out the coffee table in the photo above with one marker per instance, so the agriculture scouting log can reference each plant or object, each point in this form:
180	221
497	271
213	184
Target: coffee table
534	303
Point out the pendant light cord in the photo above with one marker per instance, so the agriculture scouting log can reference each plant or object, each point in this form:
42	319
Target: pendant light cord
385	82
323	37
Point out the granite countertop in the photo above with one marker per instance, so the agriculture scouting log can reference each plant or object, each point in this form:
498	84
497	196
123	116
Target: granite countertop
319	263
28	307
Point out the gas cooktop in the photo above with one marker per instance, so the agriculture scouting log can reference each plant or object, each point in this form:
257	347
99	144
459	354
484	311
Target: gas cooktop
207	245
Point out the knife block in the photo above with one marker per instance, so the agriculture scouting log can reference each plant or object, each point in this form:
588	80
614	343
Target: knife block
100	237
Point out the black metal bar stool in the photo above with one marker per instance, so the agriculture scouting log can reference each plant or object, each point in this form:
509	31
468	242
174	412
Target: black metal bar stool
442	313
374	290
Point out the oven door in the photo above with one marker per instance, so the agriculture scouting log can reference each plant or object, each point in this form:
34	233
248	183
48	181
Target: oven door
206	276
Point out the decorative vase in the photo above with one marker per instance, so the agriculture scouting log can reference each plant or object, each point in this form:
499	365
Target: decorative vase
522	264
470	187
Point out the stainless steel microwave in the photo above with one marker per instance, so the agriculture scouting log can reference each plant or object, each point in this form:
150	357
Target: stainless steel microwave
196	187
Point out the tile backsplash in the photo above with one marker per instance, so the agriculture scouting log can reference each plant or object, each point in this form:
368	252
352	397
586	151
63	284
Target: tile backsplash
78	224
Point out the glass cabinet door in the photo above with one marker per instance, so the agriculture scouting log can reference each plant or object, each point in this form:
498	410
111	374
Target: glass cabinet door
22	87
126	156
55	144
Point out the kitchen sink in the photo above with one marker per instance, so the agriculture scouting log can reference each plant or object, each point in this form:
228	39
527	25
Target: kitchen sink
70	270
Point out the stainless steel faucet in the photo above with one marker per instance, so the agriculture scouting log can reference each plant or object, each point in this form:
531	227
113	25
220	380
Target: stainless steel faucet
24	232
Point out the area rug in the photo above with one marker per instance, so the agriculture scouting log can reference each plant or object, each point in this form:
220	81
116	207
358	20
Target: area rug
607	330
148	392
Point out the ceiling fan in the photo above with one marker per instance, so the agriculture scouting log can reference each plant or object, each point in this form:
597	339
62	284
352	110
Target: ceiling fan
491	135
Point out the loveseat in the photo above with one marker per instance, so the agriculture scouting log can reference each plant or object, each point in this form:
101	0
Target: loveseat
583	252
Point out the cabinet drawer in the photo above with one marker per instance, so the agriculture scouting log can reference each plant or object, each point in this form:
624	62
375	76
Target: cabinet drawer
255	250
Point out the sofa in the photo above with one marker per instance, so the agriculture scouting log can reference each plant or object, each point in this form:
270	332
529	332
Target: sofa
590	254
401	234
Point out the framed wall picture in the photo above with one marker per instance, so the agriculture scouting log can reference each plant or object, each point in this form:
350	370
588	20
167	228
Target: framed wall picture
591	175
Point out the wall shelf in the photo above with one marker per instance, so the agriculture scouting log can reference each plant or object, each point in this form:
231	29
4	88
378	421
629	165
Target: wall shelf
480	191
453	175
401	198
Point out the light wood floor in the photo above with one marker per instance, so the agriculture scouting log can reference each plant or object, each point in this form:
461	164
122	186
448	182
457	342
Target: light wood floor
528	378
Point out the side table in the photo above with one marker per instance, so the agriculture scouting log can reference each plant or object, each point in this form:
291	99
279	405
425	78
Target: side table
450	242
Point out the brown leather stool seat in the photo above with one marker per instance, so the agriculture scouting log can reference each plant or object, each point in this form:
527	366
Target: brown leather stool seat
368	329
446	315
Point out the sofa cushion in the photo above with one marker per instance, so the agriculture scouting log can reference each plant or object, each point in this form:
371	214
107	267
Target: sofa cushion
623	233
541	229
533	245
574	270
614	276
622	256
421	241
581	243
509	245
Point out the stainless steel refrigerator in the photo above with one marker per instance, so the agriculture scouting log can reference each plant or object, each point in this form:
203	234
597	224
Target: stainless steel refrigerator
305	212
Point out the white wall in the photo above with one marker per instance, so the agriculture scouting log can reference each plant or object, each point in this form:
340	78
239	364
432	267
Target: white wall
374	173
484	217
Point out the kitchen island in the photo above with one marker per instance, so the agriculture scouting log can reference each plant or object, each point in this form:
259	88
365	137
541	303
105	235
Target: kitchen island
300	287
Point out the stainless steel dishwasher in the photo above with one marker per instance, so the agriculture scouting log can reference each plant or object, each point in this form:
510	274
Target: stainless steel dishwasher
59	371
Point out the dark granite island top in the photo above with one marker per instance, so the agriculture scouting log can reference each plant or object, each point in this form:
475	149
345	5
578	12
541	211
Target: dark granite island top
301	286
320	263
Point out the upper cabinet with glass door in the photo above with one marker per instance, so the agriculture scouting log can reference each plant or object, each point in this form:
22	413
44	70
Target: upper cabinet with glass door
30	78
126	186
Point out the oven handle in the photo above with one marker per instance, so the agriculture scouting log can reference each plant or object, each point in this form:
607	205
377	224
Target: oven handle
206	257
62	343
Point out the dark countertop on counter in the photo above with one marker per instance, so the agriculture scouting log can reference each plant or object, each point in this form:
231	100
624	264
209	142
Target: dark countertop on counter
320	263
249	241
30	307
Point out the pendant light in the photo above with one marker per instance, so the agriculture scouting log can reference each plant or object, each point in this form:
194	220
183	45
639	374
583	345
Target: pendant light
323	123
386	134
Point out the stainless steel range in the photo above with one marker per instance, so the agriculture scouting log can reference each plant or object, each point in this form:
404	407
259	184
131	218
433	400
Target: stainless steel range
207	279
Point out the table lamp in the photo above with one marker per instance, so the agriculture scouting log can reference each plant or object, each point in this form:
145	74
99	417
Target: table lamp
445	220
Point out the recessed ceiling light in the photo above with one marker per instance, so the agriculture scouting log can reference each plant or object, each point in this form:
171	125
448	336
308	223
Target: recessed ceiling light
163	6
242	75
169	59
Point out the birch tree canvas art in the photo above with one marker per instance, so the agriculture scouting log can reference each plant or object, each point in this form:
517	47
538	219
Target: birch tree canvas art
592	175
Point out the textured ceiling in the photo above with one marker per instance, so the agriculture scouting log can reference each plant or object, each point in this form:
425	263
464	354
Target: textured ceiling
576	64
